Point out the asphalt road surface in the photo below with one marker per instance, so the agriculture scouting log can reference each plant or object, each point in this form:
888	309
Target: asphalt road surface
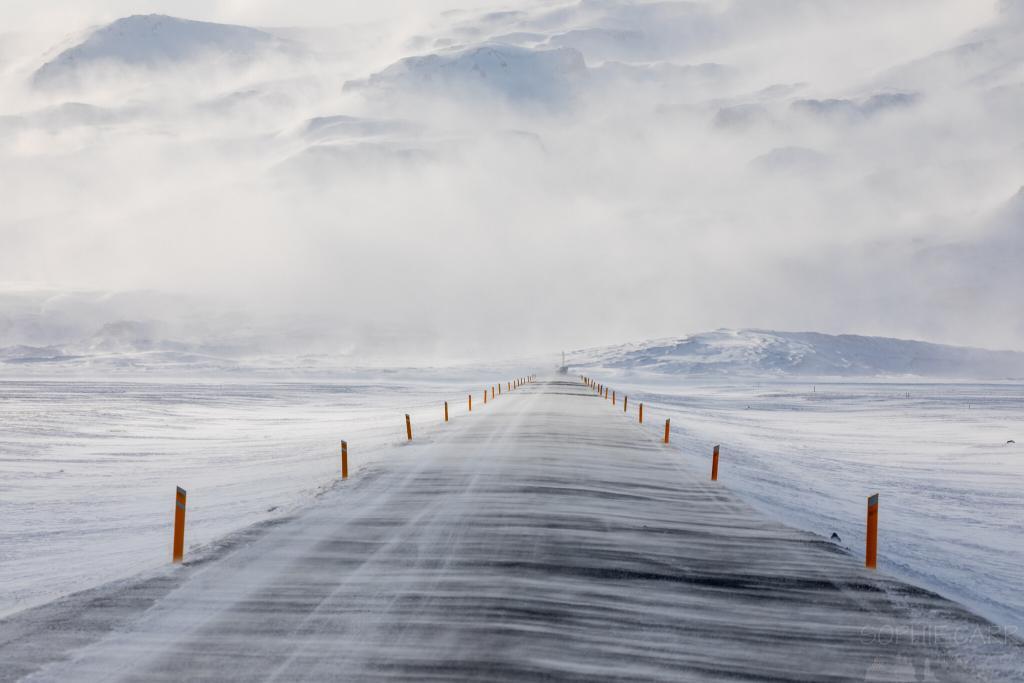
544	537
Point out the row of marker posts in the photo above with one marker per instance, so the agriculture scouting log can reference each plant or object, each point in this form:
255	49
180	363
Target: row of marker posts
495	390
871	543
180	496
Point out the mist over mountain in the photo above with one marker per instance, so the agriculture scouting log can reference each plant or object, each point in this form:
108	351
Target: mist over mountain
519	74
466	181
158	41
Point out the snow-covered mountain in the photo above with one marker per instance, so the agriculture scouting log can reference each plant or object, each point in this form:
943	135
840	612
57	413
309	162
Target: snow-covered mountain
737	142
517	73
155	41
763	352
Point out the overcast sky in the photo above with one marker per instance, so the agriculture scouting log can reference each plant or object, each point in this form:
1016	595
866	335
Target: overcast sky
799	164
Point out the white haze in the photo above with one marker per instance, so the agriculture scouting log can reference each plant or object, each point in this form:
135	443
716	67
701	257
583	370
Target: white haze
566	206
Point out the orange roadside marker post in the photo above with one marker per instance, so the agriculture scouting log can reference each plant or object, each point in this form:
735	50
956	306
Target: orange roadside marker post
471	403
446	411
641	413
408	427
667	422
178	553
714	465
613	398
344	459
871	551
485	395
625	402
492	391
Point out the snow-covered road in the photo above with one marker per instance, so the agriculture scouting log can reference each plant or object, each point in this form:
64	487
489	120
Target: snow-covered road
808	453
546	537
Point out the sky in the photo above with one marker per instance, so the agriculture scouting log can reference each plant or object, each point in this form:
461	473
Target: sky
554	176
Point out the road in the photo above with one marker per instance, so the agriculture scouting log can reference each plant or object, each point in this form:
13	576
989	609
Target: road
546	536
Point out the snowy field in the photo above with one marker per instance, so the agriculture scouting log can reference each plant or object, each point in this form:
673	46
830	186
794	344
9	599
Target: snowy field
88	469
544	538
952	488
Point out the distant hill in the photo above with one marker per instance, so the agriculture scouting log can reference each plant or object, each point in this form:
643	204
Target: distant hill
763	352
154	41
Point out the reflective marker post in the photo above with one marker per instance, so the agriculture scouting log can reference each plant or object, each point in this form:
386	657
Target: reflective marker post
871	551
179	526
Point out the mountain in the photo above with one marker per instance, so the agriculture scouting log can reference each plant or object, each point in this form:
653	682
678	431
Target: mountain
155	41
763	352
516	73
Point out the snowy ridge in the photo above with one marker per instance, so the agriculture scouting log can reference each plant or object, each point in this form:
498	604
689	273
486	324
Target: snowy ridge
763	352
518	73
156	40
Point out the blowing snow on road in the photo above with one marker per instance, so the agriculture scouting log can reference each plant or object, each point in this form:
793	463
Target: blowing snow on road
512	340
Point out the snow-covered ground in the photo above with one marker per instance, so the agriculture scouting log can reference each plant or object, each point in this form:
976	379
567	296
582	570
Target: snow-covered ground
88	468
809	452
548	538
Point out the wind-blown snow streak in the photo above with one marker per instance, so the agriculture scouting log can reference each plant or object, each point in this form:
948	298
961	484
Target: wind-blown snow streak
944	456
549	537
86	467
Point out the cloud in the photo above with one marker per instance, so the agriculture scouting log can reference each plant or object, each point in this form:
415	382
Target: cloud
470	196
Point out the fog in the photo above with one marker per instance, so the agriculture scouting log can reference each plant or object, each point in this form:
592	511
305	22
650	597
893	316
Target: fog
554	177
